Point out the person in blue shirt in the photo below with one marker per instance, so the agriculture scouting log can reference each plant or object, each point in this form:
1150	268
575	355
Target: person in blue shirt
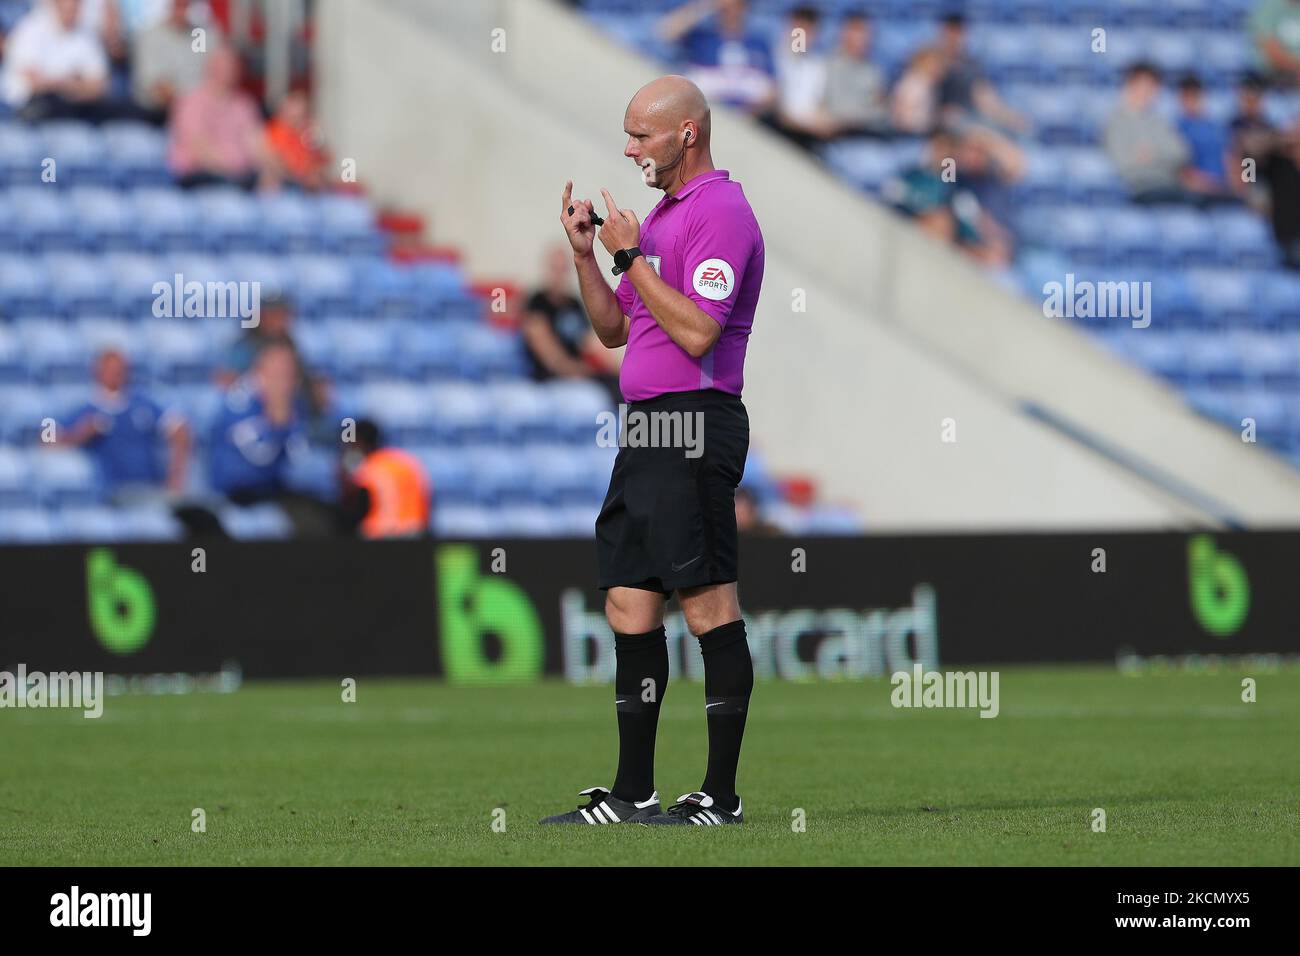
730	62
124	429
258	429
1207	138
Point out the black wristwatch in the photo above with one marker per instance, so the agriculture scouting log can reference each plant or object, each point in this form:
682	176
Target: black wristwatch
623	259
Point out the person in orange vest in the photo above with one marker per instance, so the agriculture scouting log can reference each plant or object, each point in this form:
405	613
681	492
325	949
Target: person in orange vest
386	492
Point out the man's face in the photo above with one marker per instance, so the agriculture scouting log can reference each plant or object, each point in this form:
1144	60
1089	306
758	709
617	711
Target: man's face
277	374
809	28
1190	100
651	143
1143	89
67	12
855	37
110	371
953	38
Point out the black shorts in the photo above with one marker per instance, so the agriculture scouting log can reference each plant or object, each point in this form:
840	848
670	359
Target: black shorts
669	519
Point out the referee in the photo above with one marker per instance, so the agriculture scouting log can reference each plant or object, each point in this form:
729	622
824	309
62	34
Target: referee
684	307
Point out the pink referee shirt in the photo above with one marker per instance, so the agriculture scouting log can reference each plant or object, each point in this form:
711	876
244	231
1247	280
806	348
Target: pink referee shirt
706	244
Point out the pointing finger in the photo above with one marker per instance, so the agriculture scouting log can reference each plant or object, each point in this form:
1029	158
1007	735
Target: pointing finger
609	201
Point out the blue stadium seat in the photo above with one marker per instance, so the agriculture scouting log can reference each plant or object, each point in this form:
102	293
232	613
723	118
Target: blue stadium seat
402	408
16	487
22	151
257	522
45	220
28	526
460	416
90	523
562	474
78	152
13	358
501	475
522	412
136	154
347	225
105	219
53	353
428	349
487	352
232	220
290	222
577	405
362	351
325	284
532	521
64	476
177	350
134	274
450	475
167	220
22	409
465	521
81	283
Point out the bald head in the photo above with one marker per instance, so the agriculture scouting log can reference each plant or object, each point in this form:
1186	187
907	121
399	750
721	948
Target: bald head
667	124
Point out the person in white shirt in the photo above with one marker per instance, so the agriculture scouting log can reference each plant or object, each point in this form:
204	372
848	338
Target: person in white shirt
53	68
801	74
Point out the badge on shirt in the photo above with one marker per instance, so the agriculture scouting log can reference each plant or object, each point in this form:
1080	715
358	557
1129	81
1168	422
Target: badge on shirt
654	261
714	279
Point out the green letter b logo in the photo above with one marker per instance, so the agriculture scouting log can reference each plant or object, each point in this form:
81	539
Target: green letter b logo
472	607
1220	588
121	604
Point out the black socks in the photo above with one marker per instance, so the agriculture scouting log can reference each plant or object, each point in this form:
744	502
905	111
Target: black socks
728	682
640	679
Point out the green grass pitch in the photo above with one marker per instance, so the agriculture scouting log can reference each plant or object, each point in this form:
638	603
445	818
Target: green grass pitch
413	772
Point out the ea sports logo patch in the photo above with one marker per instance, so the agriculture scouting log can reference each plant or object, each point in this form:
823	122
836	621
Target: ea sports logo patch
714	279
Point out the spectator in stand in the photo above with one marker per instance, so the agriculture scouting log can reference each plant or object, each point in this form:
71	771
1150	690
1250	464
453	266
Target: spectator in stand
54	68
965	94
914	105
258	429
856	97
557	333
293	142
165	63
801	81
385	491
216	130
1250	134
1148	152
728	61
1208	141
275	327
931	194
122	429
1275	29
990	164
1279	166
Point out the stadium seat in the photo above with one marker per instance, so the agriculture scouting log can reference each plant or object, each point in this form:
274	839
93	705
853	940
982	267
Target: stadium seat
264	521
64	476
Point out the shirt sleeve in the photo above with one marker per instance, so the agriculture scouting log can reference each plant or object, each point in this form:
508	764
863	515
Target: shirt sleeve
624	294
714	259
